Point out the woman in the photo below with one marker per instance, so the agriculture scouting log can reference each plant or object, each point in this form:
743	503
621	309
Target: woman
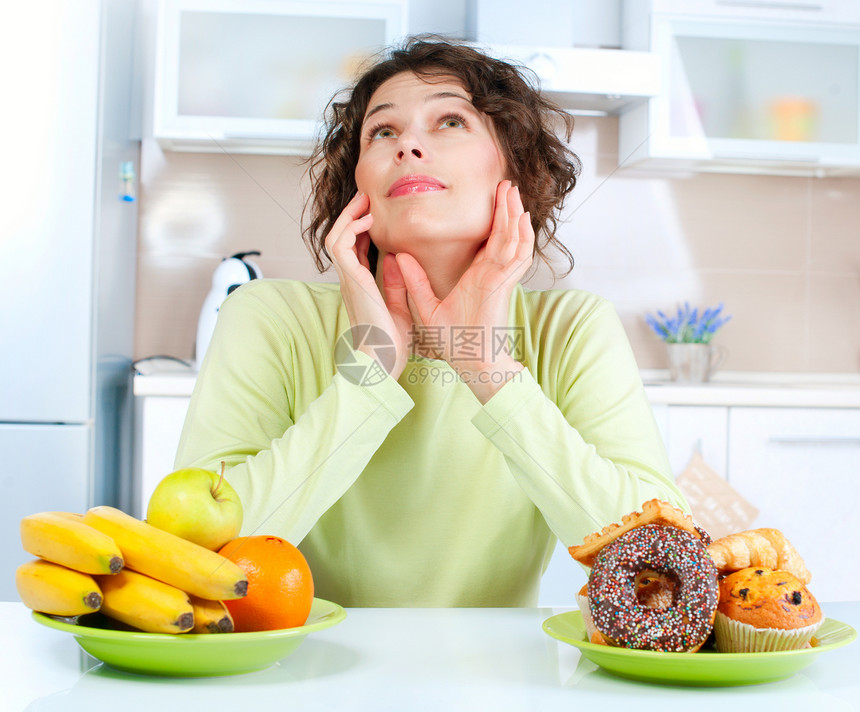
426	429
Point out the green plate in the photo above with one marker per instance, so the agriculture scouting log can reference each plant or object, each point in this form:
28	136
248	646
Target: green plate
193	655
702	668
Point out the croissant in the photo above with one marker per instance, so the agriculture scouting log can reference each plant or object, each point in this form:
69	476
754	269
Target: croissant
758	547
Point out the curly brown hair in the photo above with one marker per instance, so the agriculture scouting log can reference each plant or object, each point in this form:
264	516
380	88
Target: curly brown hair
526	124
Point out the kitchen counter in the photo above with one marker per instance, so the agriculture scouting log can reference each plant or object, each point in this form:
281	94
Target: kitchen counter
735	388
164	377
406	660
727	388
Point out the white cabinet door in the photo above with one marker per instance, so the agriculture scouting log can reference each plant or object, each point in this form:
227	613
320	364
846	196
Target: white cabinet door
158	426
697	428
739	96
45	468
799	467
687	429
255	75
804	11
562	580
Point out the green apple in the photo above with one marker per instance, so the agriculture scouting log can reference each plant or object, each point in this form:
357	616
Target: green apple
197	505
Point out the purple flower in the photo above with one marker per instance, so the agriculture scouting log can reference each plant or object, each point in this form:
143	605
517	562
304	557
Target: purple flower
687	326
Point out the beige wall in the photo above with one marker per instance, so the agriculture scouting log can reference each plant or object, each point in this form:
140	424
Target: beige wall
782	253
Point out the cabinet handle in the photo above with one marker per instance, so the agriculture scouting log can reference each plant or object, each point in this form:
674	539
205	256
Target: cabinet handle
814	440
765	157
788	5
264	135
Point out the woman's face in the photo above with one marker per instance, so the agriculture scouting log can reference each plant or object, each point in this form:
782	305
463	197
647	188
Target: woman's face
430	163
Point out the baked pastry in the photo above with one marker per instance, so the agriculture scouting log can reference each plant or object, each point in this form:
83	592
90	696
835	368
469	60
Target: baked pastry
766	548
653	590
616	583
654	511
585	609
762	610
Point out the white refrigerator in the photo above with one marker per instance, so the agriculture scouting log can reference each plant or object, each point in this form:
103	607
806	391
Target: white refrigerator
67	259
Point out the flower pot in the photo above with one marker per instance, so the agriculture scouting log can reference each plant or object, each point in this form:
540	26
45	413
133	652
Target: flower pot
694	363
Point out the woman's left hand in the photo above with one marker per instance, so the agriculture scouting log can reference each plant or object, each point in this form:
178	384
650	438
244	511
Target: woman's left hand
472	320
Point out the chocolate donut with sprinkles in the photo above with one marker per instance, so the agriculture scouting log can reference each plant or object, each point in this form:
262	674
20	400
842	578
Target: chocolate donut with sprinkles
685	625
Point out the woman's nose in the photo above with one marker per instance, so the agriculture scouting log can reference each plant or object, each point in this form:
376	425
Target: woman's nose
414	150
409	146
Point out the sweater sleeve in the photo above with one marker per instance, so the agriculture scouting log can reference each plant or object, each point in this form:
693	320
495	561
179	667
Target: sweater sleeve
583	445
287	469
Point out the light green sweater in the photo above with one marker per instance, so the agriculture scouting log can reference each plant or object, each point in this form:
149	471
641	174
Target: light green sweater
410	492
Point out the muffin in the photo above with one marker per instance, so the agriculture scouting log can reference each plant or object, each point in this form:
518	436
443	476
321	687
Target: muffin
763	610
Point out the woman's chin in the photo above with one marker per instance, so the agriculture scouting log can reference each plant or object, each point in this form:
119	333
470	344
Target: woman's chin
430	245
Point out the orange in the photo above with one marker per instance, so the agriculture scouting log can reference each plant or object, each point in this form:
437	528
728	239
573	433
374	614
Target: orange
280	586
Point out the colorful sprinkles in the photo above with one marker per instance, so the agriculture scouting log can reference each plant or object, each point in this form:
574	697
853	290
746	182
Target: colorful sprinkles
620	617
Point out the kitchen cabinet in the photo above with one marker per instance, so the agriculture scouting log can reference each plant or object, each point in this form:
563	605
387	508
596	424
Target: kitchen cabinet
158	425
799	466
803	11
587	81
688	428
254	76
746	88
562	579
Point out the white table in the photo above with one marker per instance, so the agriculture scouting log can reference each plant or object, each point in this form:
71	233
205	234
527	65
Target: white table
404	660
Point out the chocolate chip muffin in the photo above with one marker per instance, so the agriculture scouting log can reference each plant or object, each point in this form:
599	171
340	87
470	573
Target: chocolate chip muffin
761	609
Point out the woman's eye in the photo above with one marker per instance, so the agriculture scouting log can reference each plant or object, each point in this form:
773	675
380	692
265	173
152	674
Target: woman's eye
382	132
453	122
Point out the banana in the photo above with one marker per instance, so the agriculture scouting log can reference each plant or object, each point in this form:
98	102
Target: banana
211	616
149	605
62	537
50	588
169	558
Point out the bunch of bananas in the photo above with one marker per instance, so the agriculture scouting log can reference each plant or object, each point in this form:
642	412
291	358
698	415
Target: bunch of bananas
106	560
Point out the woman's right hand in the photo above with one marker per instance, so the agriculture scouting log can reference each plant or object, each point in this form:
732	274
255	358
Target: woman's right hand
347	244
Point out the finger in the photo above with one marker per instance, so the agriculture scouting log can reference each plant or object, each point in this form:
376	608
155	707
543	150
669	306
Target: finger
524	254
514	205
354	209
526	245
498	230
393	285
413	310
420	292
346	228
508	247
342	248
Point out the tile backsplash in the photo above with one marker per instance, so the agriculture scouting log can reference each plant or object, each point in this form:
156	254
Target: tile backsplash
782	253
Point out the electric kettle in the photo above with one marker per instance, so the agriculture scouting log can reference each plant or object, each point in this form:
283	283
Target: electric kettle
230	274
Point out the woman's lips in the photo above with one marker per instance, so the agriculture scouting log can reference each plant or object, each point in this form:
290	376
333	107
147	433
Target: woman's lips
409	185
